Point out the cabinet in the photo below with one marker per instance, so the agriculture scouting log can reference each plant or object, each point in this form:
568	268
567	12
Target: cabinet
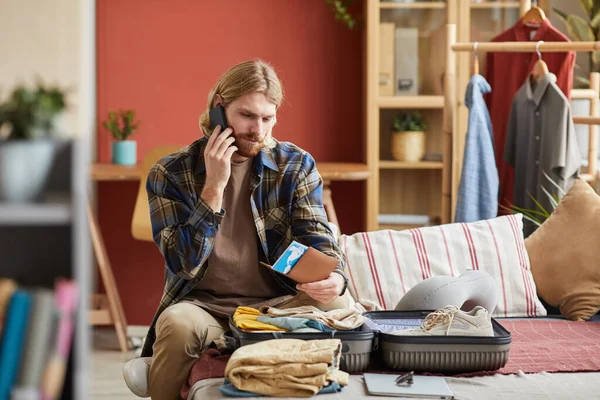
403	194
46	240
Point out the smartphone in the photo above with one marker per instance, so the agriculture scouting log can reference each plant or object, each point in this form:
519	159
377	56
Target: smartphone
217	117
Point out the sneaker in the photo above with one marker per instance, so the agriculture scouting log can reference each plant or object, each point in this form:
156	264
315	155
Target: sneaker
451	321
135	373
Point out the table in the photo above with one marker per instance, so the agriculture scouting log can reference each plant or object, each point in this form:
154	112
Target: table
329	172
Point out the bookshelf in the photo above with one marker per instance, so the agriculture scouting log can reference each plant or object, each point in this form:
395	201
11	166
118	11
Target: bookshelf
401	192
43	241
414	189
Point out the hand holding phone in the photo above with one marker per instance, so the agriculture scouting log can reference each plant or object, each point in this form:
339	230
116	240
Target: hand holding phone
217	158
217	118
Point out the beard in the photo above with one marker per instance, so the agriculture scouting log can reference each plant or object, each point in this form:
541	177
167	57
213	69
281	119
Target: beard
248	144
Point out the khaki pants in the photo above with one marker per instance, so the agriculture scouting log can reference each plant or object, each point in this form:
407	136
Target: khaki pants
184	330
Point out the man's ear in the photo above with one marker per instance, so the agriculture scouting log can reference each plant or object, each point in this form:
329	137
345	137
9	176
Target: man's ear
217	100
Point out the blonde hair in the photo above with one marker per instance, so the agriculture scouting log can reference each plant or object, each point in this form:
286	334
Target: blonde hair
247	77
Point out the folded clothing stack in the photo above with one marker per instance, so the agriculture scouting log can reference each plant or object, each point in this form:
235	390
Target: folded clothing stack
285	368
297	319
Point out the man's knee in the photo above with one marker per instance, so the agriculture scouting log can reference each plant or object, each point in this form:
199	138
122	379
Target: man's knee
178	321
188	323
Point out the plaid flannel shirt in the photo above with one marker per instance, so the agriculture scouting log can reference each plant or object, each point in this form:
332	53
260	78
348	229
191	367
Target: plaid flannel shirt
286	202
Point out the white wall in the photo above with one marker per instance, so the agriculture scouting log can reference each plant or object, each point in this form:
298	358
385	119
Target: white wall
50	39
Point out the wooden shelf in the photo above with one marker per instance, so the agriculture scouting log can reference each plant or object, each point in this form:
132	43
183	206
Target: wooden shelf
52	213
496	4
411	102
583	94
388	164
413	6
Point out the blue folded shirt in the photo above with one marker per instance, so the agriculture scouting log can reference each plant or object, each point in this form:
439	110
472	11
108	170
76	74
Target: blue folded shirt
294	324
228	389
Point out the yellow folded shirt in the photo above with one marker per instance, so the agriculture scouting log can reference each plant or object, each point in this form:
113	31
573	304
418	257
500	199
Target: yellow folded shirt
245	318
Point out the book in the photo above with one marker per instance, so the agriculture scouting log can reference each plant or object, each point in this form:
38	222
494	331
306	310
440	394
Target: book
66	294
7	288
387	37
41	328
303	264
13	339
423	387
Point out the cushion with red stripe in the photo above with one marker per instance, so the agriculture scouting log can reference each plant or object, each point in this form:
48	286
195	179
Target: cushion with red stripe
383	265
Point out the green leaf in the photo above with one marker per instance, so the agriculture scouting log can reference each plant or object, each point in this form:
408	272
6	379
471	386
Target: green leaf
595	8
596	56
561	15
530	216
533	220
560	190
529	212
586	6
556	198
595	21
553	202
537	203
584	80
579	29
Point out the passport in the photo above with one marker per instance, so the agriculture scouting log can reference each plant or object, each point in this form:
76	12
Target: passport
303	264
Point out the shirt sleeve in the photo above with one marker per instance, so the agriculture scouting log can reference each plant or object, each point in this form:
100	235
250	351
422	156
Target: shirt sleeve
184	235
567	160
309	220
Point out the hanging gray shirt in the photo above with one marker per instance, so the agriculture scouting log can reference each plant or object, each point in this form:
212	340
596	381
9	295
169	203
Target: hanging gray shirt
541	138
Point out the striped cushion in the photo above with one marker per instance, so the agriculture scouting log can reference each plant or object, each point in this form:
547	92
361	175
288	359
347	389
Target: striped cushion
384	265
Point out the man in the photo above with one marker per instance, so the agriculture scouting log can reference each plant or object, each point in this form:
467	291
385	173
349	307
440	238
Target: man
218	207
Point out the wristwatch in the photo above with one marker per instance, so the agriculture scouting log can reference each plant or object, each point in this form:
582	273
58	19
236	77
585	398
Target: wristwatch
340	272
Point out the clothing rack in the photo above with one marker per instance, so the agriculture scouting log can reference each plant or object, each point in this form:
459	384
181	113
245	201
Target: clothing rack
451	101
520	47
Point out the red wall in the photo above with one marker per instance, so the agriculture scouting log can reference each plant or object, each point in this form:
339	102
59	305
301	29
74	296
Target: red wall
161	58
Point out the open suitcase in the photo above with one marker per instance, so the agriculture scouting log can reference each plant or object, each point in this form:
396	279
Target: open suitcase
441	354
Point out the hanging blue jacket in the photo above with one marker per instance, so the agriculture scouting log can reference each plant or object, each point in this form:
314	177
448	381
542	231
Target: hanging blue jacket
478	189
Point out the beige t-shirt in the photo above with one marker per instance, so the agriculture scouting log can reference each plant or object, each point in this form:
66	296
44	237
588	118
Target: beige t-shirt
234	276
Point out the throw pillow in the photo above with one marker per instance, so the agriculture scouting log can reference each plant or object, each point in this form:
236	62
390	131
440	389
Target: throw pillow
565	254
384	265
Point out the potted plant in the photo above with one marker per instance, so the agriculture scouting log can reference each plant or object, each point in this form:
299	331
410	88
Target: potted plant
408	137
28	126
122	124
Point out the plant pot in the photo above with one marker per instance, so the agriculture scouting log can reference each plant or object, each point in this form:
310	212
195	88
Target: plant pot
408	146
24	168
124	152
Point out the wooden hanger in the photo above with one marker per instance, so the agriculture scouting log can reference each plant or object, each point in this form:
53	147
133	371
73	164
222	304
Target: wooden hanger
475	59
540	69
535	16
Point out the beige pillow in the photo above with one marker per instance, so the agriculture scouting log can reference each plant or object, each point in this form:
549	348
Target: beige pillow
565	254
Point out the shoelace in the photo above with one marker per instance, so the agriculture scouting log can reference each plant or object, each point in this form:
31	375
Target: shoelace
440	317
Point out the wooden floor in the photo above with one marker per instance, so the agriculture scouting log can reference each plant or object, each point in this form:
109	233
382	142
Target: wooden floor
107	368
